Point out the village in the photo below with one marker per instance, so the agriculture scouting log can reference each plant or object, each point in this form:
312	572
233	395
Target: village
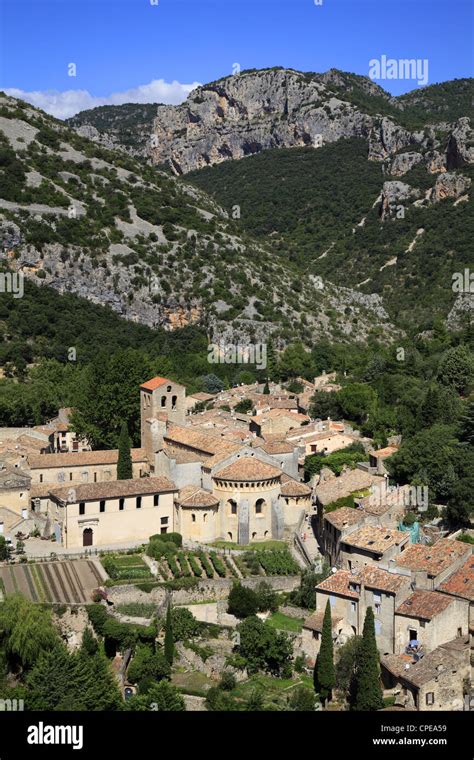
216	500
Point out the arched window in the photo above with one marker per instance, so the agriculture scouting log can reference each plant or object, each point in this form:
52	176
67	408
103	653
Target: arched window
87	537
259	506
193	517
204	517
174	400
232	506
229	536
163	401
254	534
168	389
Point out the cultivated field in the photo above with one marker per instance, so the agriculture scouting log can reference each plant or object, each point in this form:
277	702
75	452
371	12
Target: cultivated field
65	582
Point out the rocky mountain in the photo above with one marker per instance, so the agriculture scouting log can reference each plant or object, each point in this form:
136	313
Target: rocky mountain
99	223
257	110
128	127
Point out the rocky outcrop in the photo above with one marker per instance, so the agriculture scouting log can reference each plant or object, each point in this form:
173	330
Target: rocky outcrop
249	112
387	138
460	146
395	195
448	185
403	162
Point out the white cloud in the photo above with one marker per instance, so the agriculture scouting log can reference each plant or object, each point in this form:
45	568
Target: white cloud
67	103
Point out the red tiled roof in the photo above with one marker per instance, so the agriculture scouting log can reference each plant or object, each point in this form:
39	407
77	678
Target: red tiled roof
432	559
461	582
248	469
424	604
154	383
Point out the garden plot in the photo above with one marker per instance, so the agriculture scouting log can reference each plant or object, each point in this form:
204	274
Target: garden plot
65	582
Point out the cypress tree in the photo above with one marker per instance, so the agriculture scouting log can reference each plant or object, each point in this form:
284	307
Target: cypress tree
368	691
266	388
169	641
124	463
324	671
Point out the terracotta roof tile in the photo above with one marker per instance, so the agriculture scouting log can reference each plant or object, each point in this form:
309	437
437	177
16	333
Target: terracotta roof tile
375	539
84	458
345	516
193	496
461	582
433	559
424	604
248	468
154	383
111	489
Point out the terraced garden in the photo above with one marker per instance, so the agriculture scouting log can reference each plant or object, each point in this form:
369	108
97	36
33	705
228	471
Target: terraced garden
65	582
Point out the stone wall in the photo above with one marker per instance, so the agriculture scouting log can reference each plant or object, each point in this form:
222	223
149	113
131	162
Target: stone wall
211	589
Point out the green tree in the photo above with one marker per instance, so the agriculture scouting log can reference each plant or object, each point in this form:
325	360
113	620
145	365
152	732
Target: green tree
124	463
302	700
368	693
456	369
346	666
184	624
61	680
159	697
357	401
147	663
242	601
264	648
169	638
244	406
324	672
466	426
4	549
26	630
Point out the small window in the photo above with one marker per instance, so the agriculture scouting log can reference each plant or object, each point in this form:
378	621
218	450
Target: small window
258	508
82	508
102	505
70	476
163	531
168	389
164	521
156	500
193	518
459	631
430	698
41	478
121	504
139	502
163	401
353	606
378	607
95	477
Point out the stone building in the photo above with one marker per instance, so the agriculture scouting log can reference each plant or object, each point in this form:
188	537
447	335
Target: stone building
371	545
431	565
431	619
350	594
436	682
100	514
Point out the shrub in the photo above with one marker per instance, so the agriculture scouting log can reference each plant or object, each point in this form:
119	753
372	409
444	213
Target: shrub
227	682
184	624
174	538
194	566
218	564
242	601
205	563
185	571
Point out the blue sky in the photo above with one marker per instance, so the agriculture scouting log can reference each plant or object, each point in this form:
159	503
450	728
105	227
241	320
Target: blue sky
121	46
